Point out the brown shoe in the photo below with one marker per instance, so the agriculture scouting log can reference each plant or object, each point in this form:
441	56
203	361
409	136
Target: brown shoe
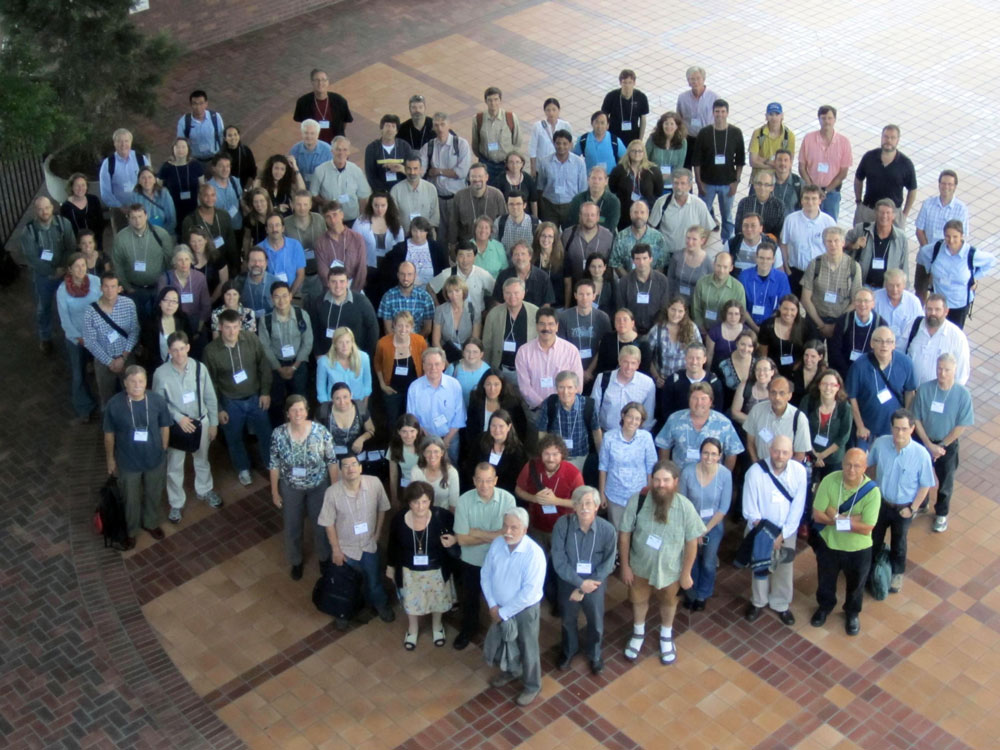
129	543
156	532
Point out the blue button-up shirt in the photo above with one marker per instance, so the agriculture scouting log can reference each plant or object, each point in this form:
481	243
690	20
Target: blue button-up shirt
763	294
308	160
681	436
285	262
206	135
440	409
560	181
900	474
951	272
227	198
513	578
627	463
116	189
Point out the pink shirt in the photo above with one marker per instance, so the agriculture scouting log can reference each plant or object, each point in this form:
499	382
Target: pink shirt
349	251
813	153
537	368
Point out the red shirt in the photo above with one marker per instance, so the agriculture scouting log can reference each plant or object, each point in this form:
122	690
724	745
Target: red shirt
566	479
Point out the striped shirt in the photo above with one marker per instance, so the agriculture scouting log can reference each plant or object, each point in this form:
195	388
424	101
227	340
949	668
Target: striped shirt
933	216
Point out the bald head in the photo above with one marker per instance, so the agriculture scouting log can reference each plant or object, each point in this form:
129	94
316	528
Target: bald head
781	452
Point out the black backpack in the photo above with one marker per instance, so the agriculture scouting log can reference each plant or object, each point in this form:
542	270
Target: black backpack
299	319
109	517
972	268
614	145
338	591
111	163
214	117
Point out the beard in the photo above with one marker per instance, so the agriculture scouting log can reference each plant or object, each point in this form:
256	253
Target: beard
934	321
662	500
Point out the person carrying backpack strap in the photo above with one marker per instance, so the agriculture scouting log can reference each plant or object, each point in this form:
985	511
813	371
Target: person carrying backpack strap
495	133
205	141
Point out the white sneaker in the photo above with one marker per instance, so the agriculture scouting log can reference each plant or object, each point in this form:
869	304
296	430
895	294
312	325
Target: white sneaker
245	479
896	583
940	524
174	516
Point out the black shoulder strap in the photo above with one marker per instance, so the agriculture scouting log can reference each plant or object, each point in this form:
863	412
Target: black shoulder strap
267	324
774	480
197	388
935	251
583	143
107	319
642	501
501	226
614	146
152	231
588	411
856	495
874	361
605	380
914	329
536	477
299	319
214	116
187	125
551	411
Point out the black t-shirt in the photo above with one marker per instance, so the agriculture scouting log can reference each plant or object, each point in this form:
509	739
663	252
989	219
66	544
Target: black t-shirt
519	335
621	110
885	181
334	109
607	352
416	137
726	143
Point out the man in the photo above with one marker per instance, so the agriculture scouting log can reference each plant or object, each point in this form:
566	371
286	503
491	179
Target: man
626	108
540	360
658	543
686	429
878	384
642	290
415	196
599	147
446	159
674	214
713	291
508	327
255	285
583	239
513	574
824	158
764	203
187	388
118	176
830	283
287	337
743	245
887	172
584	326
561	176
719	159
774	496
136	432
935	212
407	296
537	284
436	400
896	305
802	236
515	226
306	155
879	246
286	260
479	199
676	389
340	246
932	335
307	226
418	130
479	519
141	253
695	105
905	474
852	333
495	133
384	157
477	279
342	307
202	127
597	192
217	224
342	180
242	379
847	505
353	513
110	334
763	284
582	567
572	416
954	268
621	386
46	242
637	231
228	190
767	140
776	418
328	108
787	186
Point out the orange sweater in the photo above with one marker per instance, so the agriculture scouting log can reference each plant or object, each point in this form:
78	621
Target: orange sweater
385	349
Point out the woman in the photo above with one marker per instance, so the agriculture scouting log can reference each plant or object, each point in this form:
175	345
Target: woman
667	146
244	167
469	370
754	390
455	321
230	295
547	253
829	413
398	363
635	178
196	302
813	365
597	270
73	297
349	423
280	181
501	447
402	453
686	268
623	335
428	256
86	244
180	175
543	132
421	542
301	466
380	227
344	363
515	179
434	468
723	335
735	370
709	486
157	201
255	225
626	461
208	260
492	394
669	337
781	337
490	253
83	209
167	317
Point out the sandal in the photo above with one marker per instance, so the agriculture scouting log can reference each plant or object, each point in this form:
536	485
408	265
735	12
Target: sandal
668	654
410	641
634	647
439	637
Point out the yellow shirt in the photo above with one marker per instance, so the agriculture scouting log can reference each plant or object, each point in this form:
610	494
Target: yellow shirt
762	144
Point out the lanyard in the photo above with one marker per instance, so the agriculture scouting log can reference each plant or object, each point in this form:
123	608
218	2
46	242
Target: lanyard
340	310
132	413
621	107
593	544
238	354
590	328
186	184
263	297
419	546
854	333
767	286
510	336
135	252
347	499
725	143
572	427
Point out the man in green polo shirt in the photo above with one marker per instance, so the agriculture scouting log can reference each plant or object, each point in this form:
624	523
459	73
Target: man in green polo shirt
847	505
712	292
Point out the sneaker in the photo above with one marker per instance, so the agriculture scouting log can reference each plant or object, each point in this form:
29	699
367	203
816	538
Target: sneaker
896	584
940	524
245	479
212	498
174	516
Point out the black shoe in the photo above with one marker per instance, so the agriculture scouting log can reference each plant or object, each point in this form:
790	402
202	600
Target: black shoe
297	572
597	666
752	613
688	604
563	662
819	618
386	614
698	605
853	626
156	532
461	641
786	617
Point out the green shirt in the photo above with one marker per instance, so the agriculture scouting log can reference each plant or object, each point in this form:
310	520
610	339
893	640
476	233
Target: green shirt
141	261
661	567
240	371
493	259
832	492
710	296
608	204
473	513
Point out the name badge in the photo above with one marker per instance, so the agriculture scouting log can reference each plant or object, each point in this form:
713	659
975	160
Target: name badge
626	126
139	265
287	351
298	471
685	289
878	264
329	331
336	263
510	346
113	336
707	513
421	560
140	436
884	395
402	370
414	216
310	254
855	354
569	443
711	315
260	313
324	124
440	420
636	196
360	528
47	255
340	450
786	359
843	524
821	440
185	195
692	454
549	509
546	383
822	167
695	122
766	435
188	398
586	354
233	210
584	568
391	176
757	310
653	541
495	458
239	376
343	198
830	298
493	146
187	298
937	407
642	298
404	481
374	455
218	242
665	170
281	276
720	160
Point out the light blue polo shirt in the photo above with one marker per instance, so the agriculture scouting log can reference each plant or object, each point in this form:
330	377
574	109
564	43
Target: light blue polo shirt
899	474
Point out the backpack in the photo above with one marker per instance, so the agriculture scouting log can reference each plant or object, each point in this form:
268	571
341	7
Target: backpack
762	137
880	576
614	147
215	125
454	147
109	517
972	268
111	163
552	409
299	319
508	116
338	590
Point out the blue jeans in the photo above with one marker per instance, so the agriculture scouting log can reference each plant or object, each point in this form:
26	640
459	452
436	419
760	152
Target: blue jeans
831	203
145	300
725	207
703	571
45	297
80	395
241	412
368	567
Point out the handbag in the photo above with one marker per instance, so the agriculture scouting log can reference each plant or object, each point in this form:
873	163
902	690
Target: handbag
189	442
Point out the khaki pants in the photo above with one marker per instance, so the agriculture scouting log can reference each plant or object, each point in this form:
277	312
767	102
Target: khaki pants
774	591
202	471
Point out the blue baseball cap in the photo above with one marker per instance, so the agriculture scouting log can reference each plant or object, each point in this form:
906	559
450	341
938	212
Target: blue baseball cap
774	108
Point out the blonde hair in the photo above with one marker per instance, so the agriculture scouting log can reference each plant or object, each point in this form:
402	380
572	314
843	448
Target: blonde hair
354	359
624	162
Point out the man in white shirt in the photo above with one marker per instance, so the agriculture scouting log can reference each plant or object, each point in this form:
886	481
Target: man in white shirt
445	162
416	197
936	335
673	214
802	235
342	180
896	305
614	389
479	280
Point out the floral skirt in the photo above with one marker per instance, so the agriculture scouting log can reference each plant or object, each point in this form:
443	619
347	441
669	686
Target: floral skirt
426	591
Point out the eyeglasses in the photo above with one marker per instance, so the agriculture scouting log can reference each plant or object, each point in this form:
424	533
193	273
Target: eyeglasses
883	341
763	184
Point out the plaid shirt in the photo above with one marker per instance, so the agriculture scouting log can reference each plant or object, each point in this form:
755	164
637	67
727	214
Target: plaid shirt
570	426
419	303
772	211
103	341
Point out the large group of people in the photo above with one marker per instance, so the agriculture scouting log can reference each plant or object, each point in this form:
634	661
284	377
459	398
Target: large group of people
526	348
